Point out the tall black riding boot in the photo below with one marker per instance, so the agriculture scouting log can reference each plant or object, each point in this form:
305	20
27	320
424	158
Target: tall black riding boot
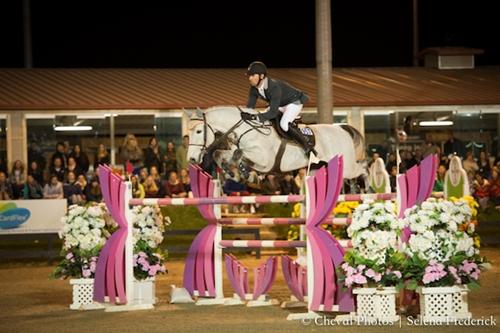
297	135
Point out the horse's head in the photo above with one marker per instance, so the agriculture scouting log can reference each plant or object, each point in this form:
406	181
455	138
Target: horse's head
199	140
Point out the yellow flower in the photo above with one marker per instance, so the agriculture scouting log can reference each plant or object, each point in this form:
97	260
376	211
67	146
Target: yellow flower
346	207
296	210
477	242
473	204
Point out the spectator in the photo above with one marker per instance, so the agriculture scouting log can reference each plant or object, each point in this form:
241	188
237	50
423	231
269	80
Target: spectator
137	188
181	153
150	188
58	169
234	187
484	165
17	179
101	157
418	157
81	180
53	189
73	192
470	165
81	159
32	189
93	190
153	172
287	185
270	185
300	177
36	171
495	187
481	190
73	167
253	182
5	187
439	182
130	151
173	187
391	161
393	174
152	155
59	153
143	174
185	180
169	159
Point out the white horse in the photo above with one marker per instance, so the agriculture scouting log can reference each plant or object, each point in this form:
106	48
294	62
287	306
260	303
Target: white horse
222	129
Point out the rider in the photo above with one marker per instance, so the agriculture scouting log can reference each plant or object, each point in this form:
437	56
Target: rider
281	97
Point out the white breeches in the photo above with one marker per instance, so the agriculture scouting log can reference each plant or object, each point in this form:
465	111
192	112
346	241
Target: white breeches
290	112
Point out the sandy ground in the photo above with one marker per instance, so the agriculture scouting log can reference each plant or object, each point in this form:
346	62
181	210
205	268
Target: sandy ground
31	302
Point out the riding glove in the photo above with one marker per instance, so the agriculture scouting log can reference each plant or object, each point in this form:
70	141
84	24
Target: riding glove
248	116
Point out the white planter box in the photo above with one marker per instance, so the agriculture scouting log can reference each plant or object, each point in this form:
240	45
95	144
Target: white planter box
375	305
145	291
83	293
443	303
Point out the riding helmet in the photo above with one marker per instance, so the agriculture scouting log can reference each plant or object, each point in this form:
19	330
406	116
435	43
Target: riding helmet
257	67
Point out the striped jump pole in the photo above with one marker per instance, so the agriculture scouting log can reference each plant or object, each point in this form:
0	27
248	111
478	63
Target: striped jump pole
262	199
267	221
345	243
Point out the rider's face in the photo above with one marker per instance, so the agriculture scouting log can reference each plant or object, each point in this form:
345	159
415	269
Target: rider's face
254	79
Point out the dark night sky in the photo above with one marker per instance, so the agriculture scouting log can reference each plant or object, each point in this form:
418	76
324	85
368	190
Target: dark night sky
189	33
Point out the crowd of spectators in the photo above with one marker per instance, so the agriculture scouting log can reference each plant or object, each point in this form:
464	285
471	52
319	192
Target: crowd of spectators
71	174
482	172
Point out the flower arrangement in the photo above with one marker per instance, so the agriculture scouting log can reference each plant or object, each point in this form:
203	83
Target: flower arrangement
376	258
149	226
441	251
84	233
86	228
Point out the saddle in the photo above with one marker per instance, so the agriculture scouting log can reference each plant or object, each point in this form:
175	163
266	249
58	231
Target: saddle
307	132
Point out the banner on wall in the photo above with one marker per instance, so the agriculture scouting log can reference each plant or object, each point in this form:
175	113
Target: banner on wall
31	216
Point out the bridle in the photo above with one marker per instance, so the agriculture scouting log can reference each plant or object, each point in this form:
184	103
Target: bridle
218	141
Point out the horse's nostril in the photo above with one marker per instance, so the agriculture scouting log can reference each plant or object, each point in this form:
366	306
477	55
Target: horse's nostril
192	160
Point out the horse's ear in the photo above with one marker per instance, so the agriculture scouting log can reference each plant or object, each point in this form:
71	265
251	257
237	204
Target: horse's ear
199	113
188	113
193	114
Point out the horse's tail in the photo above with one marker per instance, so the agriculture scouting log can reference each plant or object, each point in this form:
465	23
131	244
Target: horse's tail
358	139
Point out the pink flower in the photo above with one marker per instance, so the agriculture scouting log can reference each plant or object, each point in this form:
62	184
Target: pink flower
370	273
433	272
359	278
145	266
153	269
349	281
142	254
398	274
93	266
69	255
86	273
360	268
377	277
